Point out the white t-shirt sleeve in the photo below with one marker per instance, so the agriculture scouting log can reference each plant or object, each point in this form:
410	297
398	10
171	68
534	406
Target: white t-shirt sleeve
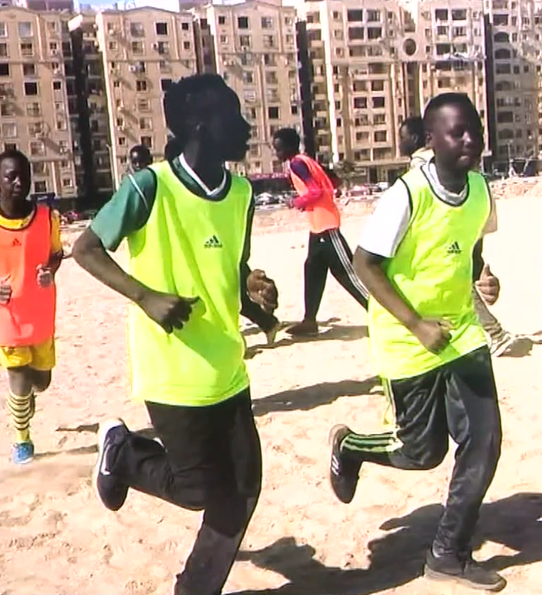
387	226
491	223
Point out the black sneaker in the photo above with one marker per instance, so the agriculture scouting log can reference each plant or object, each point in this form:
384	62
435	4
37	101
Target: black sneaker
464	571
109	488
343	472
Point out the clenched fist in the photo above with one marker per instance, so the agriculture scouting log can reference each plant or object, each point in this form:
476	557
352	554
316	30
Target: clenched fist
262	290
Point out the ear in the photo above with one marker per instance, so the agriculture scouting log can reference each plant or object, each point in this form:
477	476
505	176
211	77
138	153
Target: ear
429	140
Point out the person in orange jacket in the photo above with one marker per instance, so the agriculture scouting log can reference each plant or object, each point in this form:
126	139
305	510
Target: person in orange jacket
30	255
328	249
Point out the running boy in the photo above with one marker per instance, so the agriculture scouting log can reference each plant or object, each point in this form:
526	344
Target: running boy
188	226
412	144
328	250
428	344
30	255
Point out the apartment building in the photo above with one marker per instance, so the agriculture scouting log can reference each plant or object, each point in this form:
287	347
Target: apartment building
252	45
143	50
514	51
34	115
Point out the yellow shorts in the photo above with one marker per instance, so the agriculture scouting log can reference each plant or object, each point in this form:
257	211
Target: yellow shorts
40	357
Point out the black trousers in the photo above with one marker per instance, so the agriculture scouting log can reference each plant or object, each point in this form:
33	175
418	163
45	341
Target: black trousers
329	251
210	461
459	400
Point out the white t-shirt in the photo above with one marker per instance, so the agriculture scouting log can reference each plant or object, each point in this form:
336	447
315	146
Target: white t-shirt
387	226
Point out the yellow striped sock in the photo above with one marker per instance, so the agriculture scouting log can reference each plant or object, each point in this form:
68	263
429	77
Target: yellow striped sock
21	412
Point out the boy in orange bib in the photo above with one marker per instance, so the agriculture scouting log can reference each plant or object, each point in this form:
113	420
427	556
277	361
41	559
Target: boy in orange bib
30	255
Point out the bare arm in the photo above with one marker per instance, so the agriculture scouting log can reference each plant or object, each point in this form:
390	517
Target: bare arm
89	253
368	267
433	334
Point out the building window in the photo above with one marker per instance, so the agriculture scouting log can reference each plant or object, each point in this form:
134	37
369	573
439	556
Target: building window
354	33
146	141
145	123
244	41
57	85
7	110
30	88
143	105
141	86
221	20
381	136
271	78
269	59
185	26
187	45
273	113
27	50
294	110
39	168
137	29
459	14
267	22
165	84
248	77
113	46
3	30
122	141
379	102
55	67
137	47
242	22
377	85
441	14
25	29
373	16
374	33
10	146
4	50
4	69
116	83
163	48
33	110
223	39
40	186
37	148
52	26
9	130
64	164
66	48
161	29
67	183
164	66
354	16
360	102
61	125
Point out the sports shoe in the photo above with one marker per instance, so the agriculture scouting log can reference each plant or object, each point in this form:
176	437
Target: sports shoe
22	453
501	346
462	570
271	334
306	328
109	488
343	472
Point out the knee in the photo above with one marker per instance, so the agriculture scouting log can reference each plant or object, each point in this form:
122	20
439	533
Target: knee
430	458
41	381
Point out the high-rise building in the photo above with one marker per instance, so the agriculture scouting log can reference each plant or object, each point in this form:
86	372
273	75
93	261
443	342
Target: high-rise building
34	116
143	51
252	45
513	53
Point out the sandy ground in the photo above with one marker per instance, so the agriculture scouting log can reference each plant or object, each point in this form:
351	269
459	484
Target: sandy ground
55	538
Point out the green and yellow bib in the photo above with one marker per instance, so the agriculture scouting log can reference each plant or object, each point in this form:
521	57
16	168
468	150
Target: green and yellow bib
190	247
432	272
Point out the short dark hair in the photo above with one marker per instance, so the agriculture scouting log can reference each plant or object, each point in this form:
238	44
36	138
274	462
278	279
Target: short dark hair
289	137
142	150
173	148
414	126
16	155
461	100
188	97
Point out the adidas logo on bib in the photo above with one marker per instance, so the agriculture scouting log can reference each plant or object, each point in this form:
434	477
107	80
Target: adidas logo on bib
454	248
213	242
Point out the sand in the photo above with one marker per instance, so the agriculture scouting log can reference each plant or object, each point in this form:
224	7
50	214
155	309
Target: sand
56	539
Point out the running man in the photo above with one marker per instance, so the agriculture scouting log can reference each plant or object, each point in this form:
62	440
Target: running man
417	259
328	249
412	144
188	228
30	256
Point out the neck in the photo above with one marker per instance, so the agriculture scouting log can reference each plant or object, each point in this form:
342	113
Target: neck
454	180
14	210
207	166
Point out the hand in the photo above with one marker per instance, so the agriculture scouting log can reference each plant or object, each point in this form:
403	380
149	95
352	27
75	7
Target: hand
45	276
262	290
5	293
488	286
434	335
169	311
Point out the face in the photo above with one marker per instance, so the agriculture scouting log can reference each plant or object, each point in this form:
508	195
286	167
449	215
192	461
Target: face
456	138
226	131
408	142
139	160
14	180
282	152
